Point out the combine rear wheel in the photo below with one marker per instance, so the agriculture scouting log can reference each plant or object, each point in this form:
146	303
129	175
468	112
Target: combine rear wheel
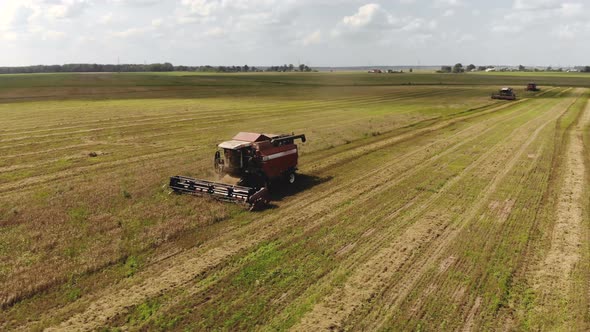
291	178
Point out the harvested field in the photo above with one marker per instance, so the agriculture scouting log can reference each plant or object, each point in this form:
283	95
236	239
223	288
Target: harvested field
424	206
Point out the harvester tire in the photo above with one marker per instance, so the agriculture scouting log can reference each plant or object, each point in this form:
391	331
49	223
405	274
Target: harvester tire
291	178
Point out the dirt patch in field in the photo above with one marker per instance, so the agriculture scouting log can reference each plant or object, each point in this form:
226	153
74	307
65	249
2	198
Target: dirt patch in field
345	249
470	322
444	265
502	209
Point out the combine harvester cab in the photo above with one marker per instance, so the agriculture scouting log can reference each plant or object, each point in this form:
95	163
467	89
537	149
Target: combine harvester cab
504	94
252	161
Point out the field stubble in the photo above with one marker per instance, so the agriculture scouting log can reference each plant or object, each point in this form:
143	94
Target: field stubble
406	185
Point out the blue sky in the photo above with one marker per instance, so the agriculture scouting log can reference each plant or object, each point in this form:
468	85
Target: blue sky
314	32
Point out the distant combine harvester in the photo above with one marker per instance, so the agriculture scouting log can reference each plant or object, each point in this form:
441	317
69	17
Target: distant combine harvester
532	87
504	94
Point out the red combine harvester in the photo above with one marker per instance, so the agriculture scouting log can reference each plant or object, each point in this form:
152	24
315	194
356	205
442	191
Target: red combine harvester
505	94
252	161
532	87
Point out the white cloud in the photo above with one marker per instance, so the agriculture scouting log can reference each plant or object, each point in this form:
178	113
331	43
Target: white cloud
106	19
262	32
365	15
448	3
135	3
572	9
565	32
215	32
530	14
52	35
312	38
8	36
131	32
571	31
22	15
448	13
536	4
210	7
157	22
507	28
67	9
464	38
201	7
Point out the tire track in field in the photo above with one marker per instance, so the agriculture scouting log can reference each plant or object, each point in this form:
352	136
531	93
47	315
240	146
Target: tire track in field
299	108
382	238
470	314
463	137
553	279
384	177
76	156
69	172
111	303
394	298
455	121
312	197
10	187
90	94
215	113
461	119
181	129
214	120
380	144
366	281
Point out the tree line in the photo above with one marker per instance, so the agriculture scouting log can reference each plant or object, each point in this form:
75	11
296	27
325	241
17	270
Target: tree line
154	67
289	68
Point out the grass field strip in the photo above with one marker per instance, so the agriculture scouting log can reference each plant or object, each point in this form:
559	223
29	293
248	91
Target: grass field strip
363	222
97	141
232	113
360	286
521	176
472	130
553	279
375	182
224	241
213	111
287	211
376	195
69	171
397	290
59	135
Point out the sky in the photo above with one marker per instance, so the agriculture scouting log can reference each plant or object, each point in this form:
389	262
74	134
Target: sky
312	32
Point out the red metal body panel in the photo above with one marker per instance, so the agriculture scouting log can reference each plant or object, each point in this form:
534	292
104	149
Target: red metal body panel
276	160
